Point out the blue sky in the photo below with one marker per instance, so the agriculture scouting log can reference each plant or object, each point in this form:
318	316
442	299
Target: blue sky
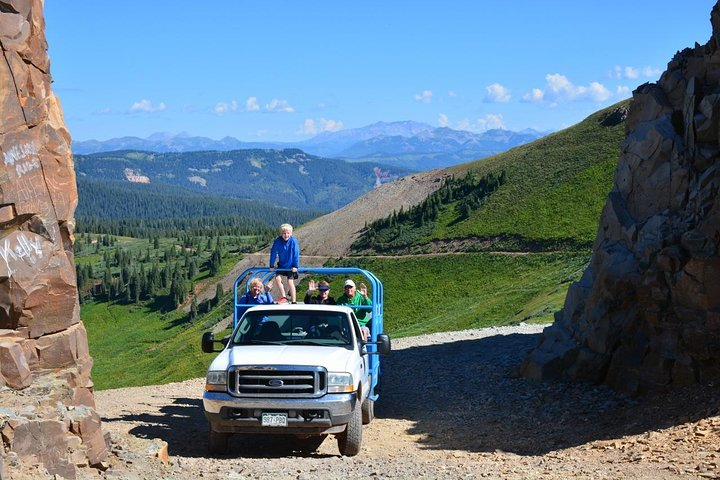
270	70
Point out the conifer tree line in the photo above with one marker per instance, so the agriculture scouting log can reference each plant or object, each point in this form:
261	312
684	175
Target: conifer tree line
468	192
140	211
158	276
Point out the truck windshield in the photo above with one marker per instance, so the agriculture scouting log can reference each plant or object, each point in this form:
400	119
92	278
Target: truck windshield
294	328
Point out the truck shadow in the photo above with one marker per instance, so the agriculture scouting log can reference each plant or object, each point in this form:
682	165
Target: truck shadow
461	395
464	395
183	426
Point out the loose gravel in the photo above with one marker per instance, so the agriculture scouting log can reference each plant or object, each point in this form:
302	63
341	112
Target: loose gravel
451	406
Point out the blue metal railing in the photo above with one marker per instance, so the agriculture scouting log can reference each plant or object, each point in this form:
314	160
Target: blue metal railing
375	324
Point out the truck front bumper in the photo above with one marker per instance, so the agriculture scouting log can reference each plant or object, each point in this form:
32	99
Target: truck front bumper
327	414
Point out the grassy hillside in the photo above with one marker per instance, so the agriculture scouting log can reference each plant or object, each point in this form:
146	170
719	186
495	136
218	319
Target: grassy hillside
552	197
449	292
545	208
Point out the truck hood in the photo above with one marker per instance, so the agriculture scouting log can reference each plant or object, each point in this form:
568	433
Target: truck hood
334	359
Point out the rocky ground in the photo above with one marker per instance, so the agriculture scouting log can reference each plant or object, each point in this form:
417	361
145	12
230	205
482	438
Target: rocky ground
451	407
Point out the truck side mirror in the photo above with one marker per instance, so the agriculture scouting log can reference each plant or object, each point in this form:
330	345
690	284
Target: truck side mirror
207	344
383	345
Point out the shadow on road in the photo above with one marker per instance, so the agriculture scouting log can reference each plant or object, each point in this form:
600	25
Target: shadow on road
183	426
463	395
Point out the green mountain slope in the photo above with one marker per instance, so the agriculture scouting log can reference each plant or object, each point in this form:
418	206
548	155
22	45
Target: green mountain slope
542	200
552	194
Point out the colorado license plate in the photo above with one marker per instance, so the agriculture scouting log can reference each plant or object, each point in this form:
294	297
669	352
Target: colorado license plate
274	419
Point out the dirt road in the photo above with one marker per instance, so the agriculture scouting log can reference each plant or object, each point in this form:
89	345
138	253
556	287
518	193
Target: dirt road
450	408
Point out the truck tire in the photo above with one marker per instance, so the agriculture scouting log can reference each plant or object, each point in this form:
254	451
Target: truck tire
350	441
368	411
217	442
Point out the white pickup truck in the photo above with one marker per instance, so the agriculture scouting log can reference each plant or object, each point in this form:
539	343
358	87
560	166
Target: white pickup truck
301	369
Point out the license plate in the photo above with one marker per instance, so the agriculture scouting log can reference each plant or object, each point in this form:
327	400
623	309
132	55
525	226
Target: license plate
274	419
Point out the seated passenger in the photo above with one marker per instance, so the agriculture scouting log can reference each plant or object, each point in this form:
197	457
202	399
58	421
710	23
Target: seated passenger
323	297
254	296
353	297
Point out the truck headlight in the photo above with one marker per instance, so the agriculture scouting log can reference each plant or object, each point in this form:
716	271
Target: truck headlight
340	382
216	381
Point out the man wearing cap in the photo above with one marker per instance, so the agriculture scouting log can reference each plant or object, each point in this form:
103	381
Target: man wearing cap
352	297
323	297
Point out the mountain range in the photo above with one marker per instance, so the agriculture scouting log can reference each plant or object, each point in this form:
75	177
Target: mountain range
287	178
410	145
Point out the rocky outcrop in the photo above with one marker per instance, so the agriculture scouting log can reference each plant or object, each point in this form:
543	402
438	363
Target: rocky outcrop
646	314
47	414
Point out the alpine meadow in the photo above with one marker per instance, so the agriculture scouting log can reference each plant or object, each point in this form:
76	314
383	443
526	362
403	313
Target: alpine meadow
497	243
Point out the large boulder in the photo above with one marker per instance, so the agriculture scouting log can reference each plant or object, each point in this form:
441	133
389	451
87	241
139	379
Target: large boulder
47	412
646	314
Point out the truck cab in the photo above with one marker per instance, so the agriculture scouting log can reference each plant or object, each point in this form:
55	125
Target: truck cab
299	369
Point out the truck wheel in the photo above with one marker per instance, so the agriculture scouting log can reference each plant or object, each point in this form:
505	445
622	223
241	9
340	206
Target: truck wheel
368	411
350	440
217	442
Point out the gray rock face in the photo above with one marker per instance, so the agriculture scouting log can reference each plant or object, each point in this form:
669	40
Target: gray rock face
47	412
646	314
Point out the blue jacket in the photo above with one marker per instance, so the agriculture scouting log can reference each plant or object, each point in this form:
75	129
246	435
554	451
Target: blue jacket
287	253
261	299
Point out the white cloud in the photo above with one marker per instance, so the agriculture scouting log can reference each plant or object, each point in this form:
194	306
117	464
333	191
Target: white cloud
443	120
497	93
558	89
282	106
147	106
596	91
222	108
312	127
424	97
251	104
536	95
651	72
309	127
622	91
488	122
452	93
633	73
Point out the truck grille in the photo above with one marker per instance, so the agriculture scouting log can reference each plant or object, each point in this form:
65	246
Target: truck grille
277	381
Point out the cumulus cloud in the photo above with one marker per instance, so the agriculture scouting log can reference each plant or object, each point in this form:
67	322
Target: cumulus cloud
251	104
496	93
559	88
482	124
535	95
424	97
622	91
146	106
633	73
282	106
221	108
312	127
443	120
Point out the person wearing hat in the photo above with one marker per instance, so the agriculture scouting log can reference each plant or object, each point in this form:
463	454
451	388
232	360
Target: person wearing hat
352	297
323	297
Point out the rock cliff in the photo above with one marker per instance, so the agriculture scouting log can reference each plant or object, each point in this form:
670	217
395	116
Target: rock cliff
646	314
47	414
